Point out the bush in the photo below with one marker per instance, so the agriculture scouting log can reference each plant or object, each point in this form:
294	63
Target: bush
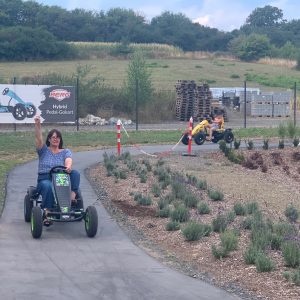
263	263
239	209
215	195
219	252
250	255
173	226
249	144
236	144
163	212
229	240
251	207
195	231
296	141
142	200
219	224
203	208
281	144
265	144
202	184
291	213
179	190
156	190
291	254
230	216
180	214
190	200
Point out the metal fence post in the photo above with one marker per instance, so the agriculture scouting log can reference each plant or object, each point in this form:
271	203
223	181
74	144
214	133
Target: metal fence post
245	106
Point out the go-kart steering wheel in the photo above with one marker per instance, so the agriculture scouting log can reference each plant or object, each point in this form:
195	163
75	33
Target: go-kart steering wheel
57	169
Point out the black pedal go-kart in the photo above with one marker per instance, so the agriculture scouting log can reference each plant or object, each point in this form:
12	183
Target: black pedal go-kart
64	209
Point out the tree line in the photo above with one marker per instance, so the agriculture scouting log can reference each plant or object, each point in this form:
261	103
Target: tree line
32	31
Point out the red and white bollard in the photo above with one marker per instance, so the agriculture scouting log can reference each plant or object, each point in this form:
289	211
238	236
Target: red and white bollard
190	136
119	137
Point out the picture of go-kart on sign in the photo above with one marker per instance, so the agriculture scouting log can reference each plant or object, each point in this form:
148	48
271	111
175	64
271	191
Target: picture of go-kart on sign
17	107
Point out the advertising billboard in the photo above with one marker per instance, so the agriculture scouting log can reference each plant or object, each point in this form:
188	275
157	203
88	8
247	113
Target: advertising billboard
20	103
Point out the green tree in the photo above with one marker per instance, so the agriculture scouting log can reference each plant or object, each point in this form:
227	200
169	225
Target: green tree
138	84
250	48
265	17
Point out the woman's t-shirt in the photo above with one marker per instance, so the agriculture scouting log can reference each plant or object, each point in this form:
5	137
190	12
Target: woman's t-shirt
48	160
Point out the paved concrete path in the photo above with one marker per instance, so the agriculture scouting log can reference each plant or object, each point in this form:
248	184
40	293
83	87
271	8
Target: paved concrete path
66	264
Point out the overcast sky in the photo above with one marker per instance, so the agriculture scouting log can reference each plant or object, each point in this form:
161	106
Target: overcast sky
225	15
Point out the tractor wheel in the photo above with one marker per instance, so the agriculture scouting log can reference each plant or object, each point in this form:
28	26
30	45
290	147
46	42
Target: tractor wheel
200	138
19	112
228	137
91	221
185	139
31	111
27	208
36	222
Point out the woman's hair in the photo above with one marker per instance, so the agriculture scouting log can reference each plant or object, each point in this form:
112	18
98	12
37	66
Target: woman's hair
58	133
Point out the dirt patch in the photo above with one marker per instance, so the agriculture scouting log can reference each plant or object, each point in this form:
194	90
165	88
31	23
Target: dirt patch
273	183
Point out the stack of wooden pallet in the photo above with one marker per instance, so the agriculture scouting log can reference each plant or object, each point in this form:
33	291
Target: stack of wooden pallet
192	100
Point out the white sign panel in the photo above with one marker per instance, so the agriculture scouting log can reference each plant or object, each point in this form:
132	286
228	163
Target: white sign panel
20	103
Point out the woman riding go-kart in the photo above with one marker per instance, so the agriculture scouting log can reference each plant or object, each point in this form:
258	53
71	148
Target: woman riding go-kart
63	210
58	186
201	132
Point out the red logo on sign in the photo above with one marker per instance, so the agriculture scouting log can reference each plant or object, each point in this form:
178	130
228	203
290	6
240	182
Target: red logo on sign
60	94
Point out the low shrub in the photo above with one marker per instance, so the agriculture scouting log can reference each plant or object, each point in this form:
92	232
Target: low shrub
190	200
203	208
251	207
291	213
263	263
180	214
219	252
236	144
229	240
163	212
239	209
296	141
195	231
173	226
291	254
215	195
265	144
219	224
250	255
155	189
202	184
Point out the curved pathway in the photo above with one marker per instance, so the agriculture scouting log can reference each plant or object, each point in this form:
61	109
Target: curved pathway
65	264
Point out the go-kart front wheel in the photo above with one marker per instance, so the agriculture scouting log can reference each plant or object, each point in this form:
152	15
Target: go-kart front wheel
91	221
36	222
31	111
199	138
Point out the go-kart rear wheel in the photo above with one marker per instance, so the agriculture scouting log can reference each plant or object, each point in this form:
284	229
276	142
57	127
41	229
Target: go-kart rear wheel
228	137
19	112
199	138
185	139
27	208
91	221
31	111
36	222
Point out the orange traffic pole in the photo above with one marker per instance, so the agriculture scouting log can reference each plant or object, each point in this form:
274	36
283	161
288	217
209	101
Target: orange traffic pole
119	137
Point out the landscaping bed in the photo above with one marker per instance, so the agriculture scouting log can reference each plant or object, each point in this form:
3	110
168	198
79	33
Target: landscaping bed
261	196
